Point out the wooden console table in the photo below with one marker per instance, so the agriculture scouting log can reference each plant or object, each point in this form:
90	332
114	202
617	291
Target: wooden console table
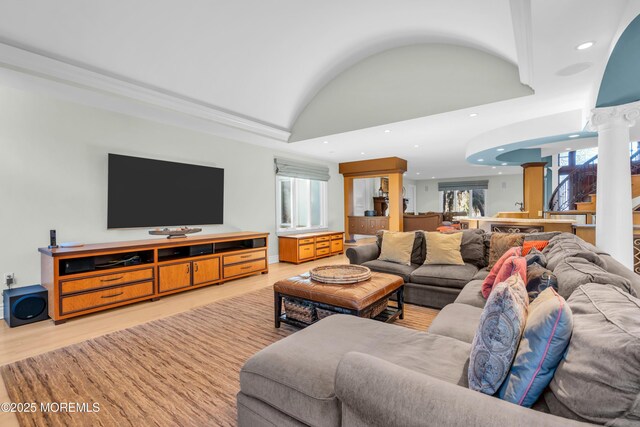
367	225
97	277
297	248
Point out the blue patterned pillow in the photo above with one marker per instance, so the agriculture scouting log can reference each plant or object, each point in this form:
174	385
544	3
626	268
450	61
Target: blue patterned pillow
544	341
498	335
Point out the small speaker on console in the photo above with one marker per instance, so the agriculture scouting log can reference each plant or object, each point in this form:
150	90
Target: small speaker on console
53	243
25	305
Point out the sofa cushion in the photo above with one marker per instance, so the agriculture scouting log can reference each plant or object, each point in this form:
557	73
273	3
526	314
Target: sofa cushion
615	267
547	236
490	278
472	247
459	321
403	271
498	335
397	247
501	243
573	272
535	256
418	251
539	279
598	378
570	237
481	274
528	245
294	377
443	248
471	294
451	276
513	265
563	247
544	341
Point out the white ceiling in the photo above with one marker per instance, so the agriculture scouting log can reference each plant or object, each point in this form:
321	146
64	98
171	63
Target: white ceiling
259	62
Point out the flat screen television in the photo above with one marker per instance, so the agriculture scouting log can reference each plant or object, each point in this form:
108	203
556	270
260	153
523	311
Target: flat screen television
154	193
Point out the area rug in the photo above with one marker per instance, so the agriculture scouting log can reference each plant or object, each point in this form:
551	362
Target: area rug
181	370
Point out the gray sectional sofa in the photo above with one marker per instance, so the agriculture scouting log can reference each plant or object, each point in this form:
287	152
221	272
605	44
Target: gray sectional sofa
430	285
348	371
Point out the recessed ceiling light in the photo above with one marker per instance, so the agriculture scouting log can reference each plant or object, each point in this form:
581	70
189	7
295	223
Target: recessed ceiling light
387	131
362	153
416	146
473	115
575	135
504	164
499	173
568	148
585	45
433	177
493	167
500	149
417	173
481	160
325	142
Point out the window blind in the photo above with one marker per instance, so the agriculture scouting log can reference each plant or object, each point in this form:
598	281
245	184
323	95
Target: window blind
463	185
297	169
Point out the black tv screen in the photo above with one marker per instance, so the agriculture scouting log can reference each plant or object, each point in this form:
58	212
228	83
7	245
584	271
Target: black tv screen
155	193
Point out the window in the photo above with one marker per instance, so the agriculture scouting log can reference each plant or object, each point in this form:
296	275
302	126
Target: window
470	201
586	154
301	203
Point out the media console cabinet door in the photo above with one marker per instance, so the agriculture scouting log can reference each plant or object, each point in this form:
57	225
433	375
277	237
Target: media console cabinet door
174	276
207	270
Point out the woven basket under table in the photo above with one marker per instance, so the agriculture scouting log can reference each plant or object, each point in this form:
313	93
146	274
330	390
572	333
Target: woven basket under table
301	312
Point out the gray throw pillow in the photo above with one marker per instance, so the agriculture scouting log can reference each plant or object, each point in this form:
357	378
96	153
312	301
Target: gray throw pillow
573	272
597	380
498	335
419	247
539	279
472	247
536	257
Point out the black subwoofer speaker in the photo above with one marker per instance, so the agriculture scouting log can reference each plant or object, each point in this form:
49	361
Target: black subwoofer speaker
25	305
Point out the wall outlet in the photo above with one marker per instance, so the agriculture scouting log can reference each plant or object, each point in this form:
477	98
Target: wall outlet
9	279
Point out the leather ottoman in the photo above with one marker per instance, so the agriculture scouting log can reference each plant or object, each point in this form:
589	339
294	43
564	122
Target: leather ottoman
358	299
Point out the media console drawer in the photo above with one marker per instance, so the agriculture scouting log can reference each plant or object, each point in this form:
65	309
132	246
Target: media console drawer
244	268
105	280
234	259
89	300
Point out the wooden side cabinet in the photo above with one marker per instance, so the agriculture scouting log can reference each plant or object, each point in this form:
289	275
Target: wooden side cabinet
297	248
367	225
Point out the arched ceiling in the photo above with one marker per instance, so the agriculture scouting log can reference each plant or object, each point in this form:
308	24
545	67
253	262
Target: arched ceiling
407	83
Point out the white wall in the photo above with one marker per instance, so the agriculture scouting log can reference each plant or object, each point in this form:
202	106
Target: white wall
53	175
503	192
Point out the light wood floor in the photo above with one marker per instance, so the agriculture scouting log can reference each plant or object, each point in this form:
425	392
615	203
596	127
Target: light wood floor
30	340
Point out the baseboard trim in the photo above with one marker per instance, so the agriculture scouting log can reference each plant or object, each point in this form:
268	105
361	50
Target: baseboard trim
274	259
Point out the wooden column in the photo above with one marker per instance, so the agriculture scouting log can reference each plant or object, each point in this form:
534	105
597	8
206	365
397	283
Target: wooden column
348	206
391	167
396	214
533	188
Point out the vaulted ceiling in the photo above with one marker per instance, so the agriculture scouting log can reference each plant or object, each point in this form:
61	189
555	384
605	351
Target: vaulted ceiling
248	69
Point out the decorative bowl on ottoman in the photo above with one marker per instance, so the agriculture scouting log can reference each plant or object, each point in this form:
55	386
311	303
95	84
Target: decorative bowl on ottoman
340	274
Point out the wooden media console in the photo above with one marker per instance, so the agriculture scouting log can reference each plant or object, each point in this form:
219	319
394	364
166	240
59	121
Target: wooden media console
97	277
